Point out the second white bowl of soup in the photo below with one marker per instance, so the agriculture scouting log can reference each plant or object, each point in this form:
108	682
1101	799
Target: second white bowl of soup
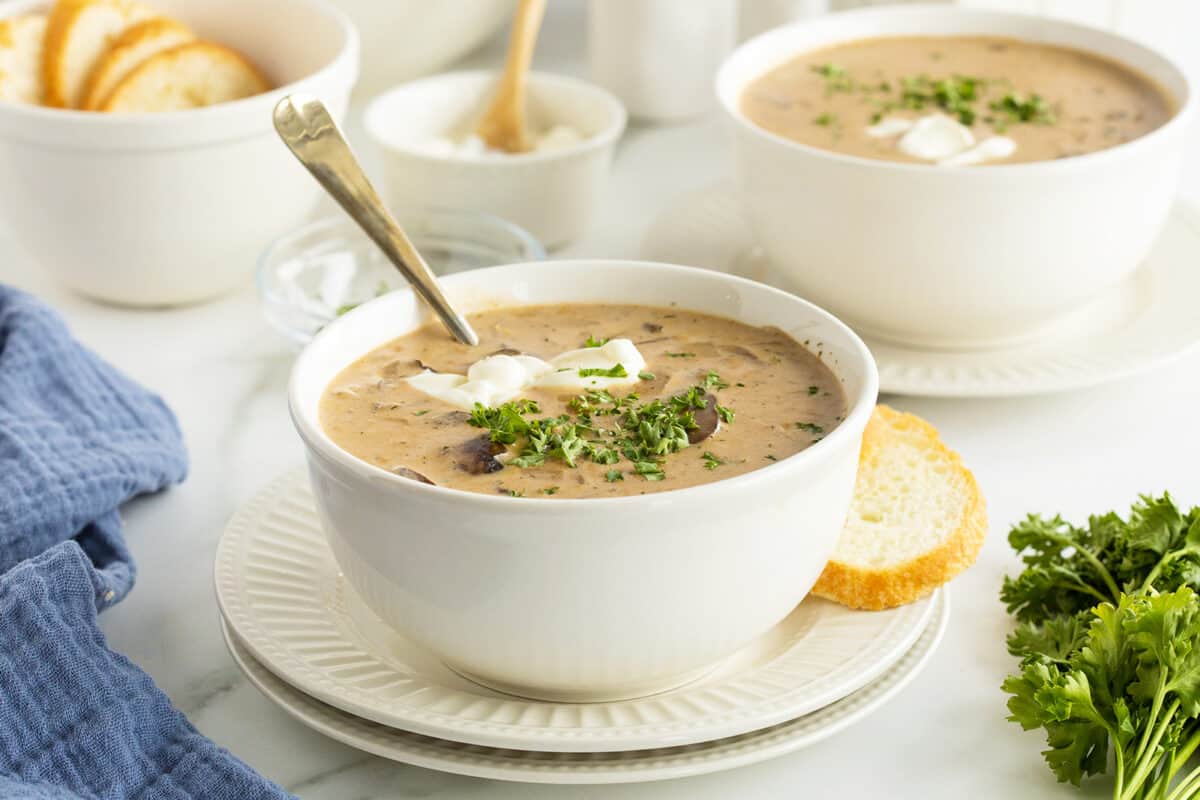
674	493
951	177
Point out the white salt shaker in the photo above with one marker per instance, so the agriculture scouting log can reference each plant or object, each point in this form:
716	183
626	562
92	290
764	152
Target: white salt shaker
660	56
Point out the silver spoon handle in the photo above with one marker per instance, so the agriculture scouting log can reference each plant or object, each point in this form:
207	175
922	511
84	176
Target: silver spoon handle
309	131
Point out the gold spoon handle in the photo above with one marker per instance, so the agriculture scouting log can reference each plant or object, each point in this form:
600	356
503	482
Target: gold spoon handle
309	131
503	125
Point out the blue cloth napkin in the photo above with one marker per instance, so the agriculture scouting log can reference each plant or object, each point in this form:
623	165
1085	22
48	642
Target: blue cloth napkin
78	439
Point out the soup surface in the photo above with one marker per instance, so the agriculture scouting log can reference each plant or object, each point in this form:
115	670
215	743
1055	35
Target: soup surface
1041	101
715	398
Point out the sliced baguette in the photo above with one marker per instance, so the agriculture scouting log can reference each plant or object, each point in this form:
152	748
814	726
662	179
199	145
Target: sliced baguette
917	518
77	36
191	75
138	43
21	58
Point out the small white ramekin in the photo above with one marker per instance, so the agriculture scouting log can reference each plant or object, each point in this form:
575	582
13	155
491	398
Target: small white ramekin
586	599
552	194
952	257
171	208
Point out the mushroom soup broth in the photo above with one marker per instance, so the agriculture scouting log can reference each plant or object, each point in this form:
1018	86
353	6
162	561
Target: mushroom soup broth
956	100
583	401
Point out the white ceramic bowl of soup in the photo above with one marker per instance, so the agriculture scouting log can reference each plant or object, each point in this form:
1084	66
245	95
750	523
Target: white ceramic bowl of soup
585	599
553	194
952	256
153	209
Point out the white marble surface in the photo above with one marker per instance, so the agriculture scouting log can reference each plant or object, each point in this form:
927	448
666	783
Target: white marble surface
223	371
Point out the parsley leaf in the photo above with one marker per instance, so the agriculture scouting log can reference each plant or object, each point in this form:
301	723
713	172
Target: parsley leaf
713	381
594	342
649	470
614	475
810	427
646	376
615	371
710	461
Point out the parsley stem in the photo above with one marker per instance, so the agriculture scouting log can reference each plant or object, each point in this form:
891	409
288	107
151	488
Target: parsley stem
1185	789
1184	753
1187	551
1155	708
1083	587
1149	759
1190	782
1109	583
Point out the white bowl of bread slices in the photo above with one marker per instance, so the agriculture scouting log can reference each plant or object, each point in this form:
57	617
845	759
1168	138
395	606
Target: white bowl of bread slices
137	154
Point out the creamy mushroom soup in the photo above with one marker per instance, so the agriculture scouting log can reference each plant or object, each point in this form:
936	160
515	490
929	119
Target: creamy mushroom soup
956	100
584	401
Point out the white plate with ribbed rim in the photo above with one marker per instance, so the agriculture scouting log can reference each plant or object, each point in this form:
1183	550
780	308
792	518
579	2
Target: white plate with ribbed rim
609	767
1146	322
280	590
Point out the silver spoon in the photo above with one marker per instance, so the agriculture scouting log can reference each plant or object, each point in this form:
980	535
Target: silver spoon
309	131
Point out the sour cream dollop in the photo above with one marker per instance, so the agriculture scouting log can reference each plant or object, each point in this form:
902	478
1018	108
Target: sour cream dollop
942	140
494	380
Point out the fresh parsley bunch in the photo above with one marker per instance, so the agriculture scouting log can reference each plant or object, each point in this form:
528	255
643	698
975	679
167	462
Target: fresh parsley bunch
1109	642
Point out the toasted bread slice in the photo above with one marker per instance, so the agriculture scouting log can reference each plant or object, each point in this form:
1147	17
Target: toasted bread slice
139	42
77	36
188	76
21	58
917	518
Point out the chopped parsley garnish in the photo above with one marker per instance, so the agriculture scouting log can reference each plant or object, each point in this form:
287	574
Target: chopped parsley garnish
837	79
1019	108
960	96
812	390
515	492
713	381
646	376
550	490
530	460
711	461
615	371
614	475
422	412
952	95
594	342
650	470
601	428
682	355
810	427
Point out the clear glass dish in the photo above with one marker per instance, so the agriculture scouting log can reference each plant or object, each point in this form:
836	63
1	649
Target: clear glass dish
309	277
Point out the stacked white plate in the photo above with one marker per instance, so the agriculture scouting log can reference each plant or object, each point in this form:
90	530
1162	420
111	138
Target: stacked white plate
303	637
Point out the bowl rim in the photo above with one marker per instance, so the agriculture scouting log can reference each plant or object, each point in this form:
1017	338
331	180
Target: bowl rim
346	58
859	408
606	137
331	223
728	100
